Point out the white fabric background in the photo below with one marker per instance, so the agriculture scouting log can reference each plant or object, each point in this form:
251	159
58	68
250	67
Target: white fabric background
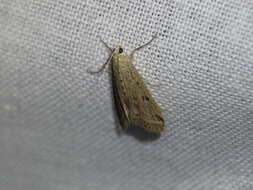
58	124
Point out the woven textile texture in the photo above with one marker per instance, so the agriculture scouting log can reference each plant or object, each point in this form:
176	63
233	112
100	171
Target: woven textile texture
58	126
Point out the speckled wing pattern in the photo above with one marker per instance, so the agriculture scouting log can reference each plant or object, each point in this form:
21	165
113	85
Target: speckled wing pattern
134	103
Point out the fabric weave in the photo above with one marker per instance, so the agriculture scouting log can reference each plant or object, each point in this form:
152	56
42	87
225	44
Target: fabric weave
58	127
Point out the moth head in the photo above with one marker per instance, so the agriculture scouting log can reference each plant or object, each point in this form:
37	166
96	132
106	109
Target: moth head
118	49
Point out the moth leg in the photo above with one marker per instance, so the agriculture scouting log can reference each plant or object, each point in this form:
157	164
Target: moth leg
142	46
103	66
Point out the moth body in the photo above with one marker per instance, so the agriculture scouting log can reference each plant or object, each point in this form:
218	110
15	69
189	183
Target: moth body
134	102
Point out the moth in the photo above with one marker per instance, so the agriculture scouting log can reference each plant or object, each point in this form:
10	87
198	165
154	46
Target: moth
135	104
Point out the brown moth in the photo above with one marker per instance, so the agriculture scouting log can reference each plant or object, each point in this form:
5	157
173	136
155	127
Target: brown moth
135	105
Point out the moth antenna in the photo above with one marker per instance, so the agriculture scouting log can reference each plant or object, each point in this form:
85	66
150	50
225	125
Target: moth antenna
107	61
106	45
144	45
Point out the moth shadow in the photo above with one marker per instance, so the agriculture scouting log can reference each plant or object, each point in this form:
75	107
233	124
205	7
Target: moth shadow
141	134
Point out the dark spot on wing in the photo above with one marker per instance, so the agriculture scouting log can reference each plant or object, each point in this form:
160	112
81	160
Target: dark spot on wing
145	98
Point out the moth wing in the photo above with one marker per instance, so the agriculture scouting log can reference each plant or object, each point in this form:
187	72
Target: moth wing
141	108
120	97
